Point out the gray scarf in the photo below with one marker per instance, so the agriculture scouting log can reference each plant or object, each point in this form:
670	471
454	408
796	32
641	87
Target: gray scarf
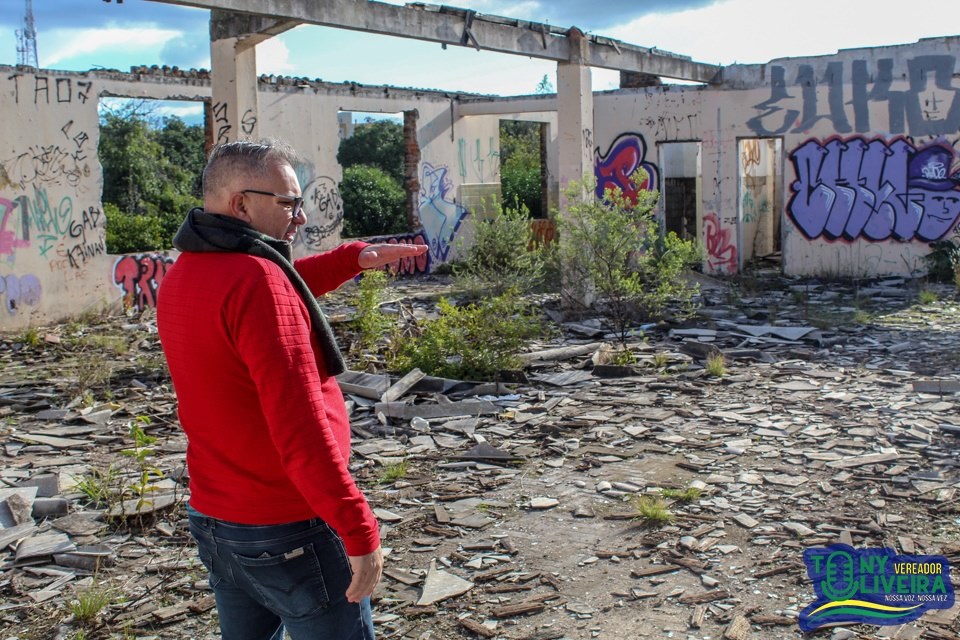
203	232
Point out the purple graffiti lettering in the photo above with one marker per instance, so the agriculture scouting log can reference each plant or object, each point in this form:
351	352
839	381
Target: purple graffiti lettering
19	291
812	200
440	215
139	278
877	191
616	168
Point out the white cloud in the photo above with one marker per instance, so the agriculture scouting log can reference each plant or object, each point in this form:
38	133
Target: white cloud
184	112
273	57
753	31
69	43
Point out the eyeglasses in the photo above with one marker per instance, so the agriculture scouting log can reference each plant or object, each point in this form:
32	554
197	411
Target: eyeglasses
295	201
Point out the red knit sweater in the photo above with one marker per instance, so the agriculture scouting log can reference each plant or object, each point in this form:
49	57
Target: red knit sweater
267	430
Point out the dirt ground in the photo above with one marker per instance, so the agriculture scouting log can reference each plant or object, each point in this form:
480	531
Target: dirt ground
800	443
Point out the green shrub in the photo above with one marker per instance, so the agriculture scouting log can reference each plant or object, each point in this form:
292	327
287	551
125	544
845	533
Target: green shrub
520	165
370	322
145	232
500	257
373	203
469	342
375	143
614	258
520	183
943	261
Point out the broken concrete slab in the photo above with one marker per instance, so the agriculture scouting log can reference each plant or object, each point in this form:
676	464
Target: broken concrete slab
441	585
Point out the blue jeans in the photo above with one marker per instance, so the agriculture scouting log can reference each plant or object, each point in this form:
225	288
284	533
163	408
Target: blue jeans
272	578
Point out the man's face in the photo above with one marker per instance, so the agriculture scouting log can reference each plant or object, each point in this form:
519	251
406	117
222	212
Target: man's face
271	202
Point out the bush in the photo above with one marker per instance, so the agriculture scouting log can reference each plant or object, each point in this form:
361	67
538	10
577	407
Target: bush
614	258
520	165
377	144
373	203
520	183
369	321
943	261
502	256
470	342
150	231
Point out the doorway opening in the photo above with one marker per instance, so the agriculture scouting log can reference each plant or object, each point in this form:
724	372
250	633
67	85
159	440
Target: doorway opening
760	201
523	172
378	190
680	196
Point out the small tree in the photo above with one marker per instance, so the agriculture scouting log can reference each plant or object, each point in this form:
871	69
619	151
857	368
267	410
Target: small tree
502	256
373	203
614	257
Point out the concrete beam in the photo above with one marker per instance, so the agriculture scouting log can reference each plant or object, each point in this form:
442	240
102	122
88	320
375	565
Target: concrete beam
248	29
463	27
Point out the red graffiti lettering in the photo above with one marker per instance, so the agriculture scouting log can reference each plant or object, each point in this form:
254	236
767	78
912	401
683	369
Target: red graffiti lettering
721	253
139	278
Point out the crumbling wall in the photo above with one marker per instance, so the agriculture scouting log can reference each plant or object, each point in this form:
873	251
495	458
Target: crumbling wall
870	144
53	258
53	255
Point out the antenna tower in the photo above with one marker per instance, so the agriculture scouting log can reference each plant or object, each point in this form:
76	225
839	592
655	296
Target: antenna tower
27	39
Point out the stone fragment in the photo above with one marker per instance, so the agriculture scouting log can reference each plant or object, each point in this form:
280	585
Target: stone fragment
543	503
798	529
441	585
745	521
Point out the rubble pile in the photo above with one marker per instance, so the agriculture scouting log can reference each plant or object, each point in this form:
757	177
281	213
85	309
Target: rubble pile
587	500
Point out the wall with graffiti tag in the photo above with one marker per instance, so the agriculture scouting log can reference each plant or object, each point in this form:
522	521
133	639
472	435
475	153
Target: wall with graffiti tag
871	140
869	172
440	217
52	246
53	254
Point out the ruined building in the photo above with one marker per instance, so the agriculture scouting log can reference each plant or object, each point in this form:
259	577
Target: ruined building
839	165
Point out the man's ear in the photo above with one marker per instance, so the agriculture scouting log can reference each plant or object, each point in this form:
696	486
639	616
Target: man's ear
238	207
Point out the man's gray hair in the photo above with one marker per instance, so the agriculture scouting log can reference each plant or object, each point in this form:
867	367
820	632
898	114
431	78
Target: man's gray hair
245	158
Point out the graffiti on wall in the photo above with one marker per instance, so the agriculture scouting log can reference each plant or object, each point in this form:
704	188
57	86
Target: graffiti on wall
14	230
139	278
476	163
440	215
223	128
876	190
323	207
63	163
18	291
543	231
616	167
721	251
46	90
920	110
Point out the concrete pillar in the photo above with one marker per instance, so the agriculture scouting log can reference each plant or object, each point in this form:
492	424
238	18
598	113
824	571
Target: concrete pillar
575	144
236	108
574	114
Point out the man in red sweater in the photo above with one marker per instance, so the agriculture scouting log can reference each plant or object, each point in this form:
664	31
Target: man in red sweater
288	539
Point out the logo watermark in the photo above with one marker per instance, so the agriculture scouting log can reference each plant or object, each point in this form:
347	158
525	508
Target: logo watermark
873	586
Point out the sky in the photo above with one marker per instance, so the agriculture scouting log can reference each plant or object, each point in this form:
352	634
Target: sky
79	35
